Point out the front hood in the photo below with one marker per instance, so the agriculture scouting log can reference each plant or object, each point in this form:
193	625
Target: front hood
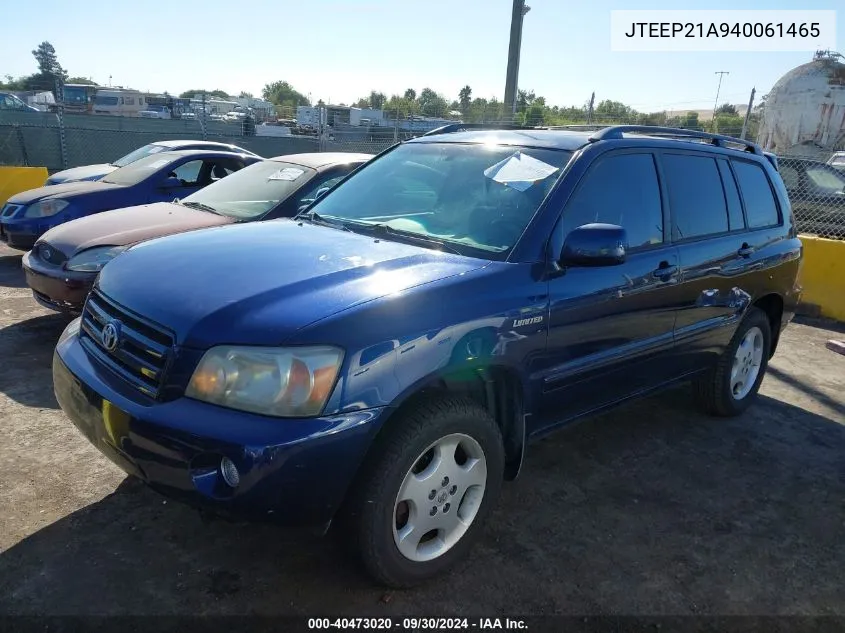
122	227
258	283
64	191
86	172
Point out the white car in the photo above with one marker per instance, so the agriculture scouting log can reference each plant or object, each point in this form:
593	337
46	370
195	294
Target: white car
155	112
837	161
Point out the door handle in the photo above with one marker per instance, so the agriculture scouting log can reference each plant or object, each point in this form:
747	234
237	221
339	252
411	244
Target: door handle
745	251
664	271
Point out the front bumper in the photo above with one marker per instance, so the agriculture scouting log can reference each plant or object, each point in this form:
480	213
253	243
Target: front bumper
291	471
19	235
56	288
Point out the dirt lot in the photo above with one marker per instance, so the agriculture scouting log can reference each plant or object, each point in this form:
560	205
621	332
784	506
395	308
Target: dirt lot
651	509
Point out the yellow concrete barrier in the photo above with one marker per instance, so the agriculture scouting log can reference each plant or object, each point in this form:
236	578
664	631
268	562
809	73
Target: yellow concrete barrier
16	179
823	278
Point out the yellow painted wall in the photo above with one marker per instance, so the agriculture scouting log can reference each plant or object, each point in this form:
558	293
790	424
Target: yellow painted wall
16	179
823	277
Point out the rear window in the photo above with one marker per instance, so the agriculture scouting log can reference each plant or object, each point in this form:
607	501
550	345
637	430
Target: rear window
760	207
828	180
139	170
696	196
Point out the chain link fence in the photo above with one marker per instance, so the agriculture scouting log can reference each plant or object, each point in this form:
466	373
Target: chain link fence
58	139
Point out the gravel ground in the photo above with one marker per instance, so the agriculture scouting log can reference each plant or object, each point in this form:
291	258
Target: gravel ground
650	509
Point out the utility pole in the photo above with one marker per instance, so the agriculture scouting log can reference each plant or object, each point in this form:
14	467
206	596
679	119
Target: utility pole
747	114
721	73
590	108
512	78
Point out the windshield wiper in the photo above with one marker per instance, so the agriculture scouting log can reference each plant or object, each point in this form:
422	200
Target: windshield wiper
316	218
199	205
411	236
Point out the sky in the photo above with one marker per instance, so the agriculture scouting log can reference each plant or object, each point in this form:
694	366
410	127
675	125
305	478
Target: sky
340	50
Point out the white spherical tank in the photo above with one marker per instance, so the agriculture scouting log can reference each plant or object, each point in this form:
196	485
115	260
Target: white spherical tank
805	110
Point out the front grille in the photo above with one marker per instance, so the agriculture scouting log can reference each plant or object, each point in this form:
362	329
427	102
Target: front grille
10	210
143	348
50	255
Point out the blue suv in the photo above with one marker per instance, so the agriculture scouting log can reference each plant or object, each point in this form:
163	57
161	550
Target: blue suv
383	360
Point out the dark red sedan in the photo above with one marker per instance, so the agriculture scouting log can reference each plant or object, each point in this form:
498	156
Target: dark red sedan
63	264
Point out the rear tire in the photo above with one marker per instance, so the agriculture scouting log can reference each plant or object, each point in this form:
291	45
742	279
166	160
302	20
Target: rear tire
732	385
427	491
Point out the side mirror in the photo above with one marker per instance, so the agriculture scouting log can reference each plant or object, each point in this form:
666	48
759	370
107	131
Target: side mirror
595	245
170	183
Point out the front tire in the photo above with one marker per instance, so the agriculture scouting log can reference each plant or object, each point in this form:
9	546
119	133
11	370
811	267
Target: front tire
427	491
732	385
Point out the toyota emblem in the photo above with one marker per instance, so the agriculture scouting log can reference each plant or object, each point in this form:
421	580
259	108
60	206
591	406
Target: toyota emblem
46	252
110	336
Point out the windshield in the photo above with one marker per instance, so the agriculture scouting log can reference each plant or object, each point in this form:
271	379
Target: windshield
139	170
74	95
254	190
477	196
139	153
828	180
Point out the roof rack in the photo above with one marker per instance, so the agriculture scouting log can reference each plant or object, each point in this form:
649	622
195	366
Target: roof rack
579	126
460	127
616	132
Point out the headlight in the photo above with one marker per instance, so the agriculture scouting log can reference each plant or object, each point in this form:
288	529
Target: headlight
45	208
71	330
93	259
281	382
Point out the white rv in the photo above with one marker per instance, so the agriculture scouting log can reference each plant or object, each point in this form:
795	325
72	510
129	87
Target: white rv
119	102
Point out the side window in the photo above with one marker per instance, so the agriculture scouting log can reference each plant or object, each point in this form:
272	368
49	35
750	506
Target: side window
760	207
189	172
622	190
696	196
310	192
790	175
223	167
737	222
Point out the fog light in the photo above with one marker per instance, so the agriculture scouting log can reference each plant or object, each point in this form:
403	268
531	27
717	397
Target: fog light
230	472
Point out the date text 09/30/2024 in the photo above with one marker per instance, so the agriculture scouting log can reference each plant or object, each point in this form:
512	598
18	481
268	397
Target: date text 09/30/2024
416	624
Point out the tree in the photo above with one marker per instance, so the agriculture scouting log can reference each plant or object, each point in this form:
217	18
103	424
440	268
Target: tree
608	111
48	62
50	72
81	80
245	95
465	99
727	108
377	100
215	94
283	94
14	84
410	94
524	98
431	103
400	107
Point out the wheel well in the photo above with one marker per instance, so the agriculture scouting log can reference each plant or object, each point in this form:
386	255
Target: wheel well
498	390
772	305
